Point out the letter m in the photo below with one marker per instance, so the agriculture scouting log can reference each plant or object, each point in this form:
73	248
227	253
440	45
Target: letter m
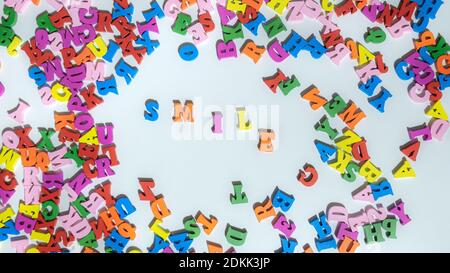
183	113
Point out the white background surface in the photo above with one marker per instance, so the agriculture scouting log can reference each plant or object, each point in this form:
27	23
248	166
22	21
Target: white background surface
196	175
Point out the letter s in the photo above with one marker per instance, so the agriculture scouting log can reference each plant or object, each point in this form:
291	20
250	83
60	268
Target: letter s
152	106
